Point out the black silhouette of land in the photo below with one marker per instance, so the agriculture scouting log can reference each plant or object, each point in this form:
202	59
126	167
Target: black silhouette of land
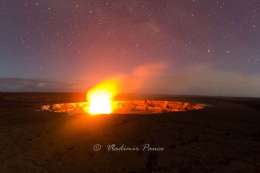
224	137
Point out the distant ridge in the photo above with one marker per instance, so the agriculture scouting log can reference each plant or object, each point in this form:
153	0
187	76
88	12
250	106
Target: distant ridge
35	85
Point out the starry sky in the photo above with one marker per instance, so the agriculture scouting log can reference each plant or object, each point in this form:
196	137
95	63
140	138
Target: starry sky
88	40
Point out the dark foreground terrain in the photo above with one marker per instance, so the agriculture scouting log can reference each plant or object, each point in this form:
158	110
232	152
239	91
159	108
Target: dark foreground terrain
224	138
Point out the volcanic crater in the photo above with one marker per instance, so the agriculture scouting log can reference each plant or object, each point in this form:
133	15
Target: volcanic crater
128	107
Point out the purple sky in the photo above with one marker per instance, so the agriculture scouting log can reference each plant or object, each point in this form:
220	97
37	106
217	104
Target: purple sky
88	40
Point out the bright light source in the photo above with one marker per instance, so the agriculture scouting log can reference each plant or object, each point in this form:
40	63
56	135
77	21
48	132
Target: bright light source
100	103
100	98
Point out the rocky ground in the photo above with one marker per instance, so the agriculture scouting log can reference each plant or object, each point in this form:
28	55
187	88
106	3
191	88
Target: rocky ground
224	137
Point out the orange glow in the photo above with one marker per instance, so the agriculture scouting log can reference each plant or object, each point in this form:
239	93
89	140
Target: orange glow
100	98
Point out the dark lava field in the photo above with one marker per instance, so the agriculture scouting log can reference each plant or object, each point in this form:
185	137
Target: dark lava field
224	137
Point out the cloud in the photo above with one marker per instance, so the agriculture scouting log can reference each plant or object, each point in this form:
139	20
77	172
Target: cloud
206	80
159	78
139	77
199	80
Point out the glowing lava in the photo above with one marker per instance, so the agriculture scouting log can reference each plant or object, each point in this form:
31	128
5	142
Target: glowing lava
100	98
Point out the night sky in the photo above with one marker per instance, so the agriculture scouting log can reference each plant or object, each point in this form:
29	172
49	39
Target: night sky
207	47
